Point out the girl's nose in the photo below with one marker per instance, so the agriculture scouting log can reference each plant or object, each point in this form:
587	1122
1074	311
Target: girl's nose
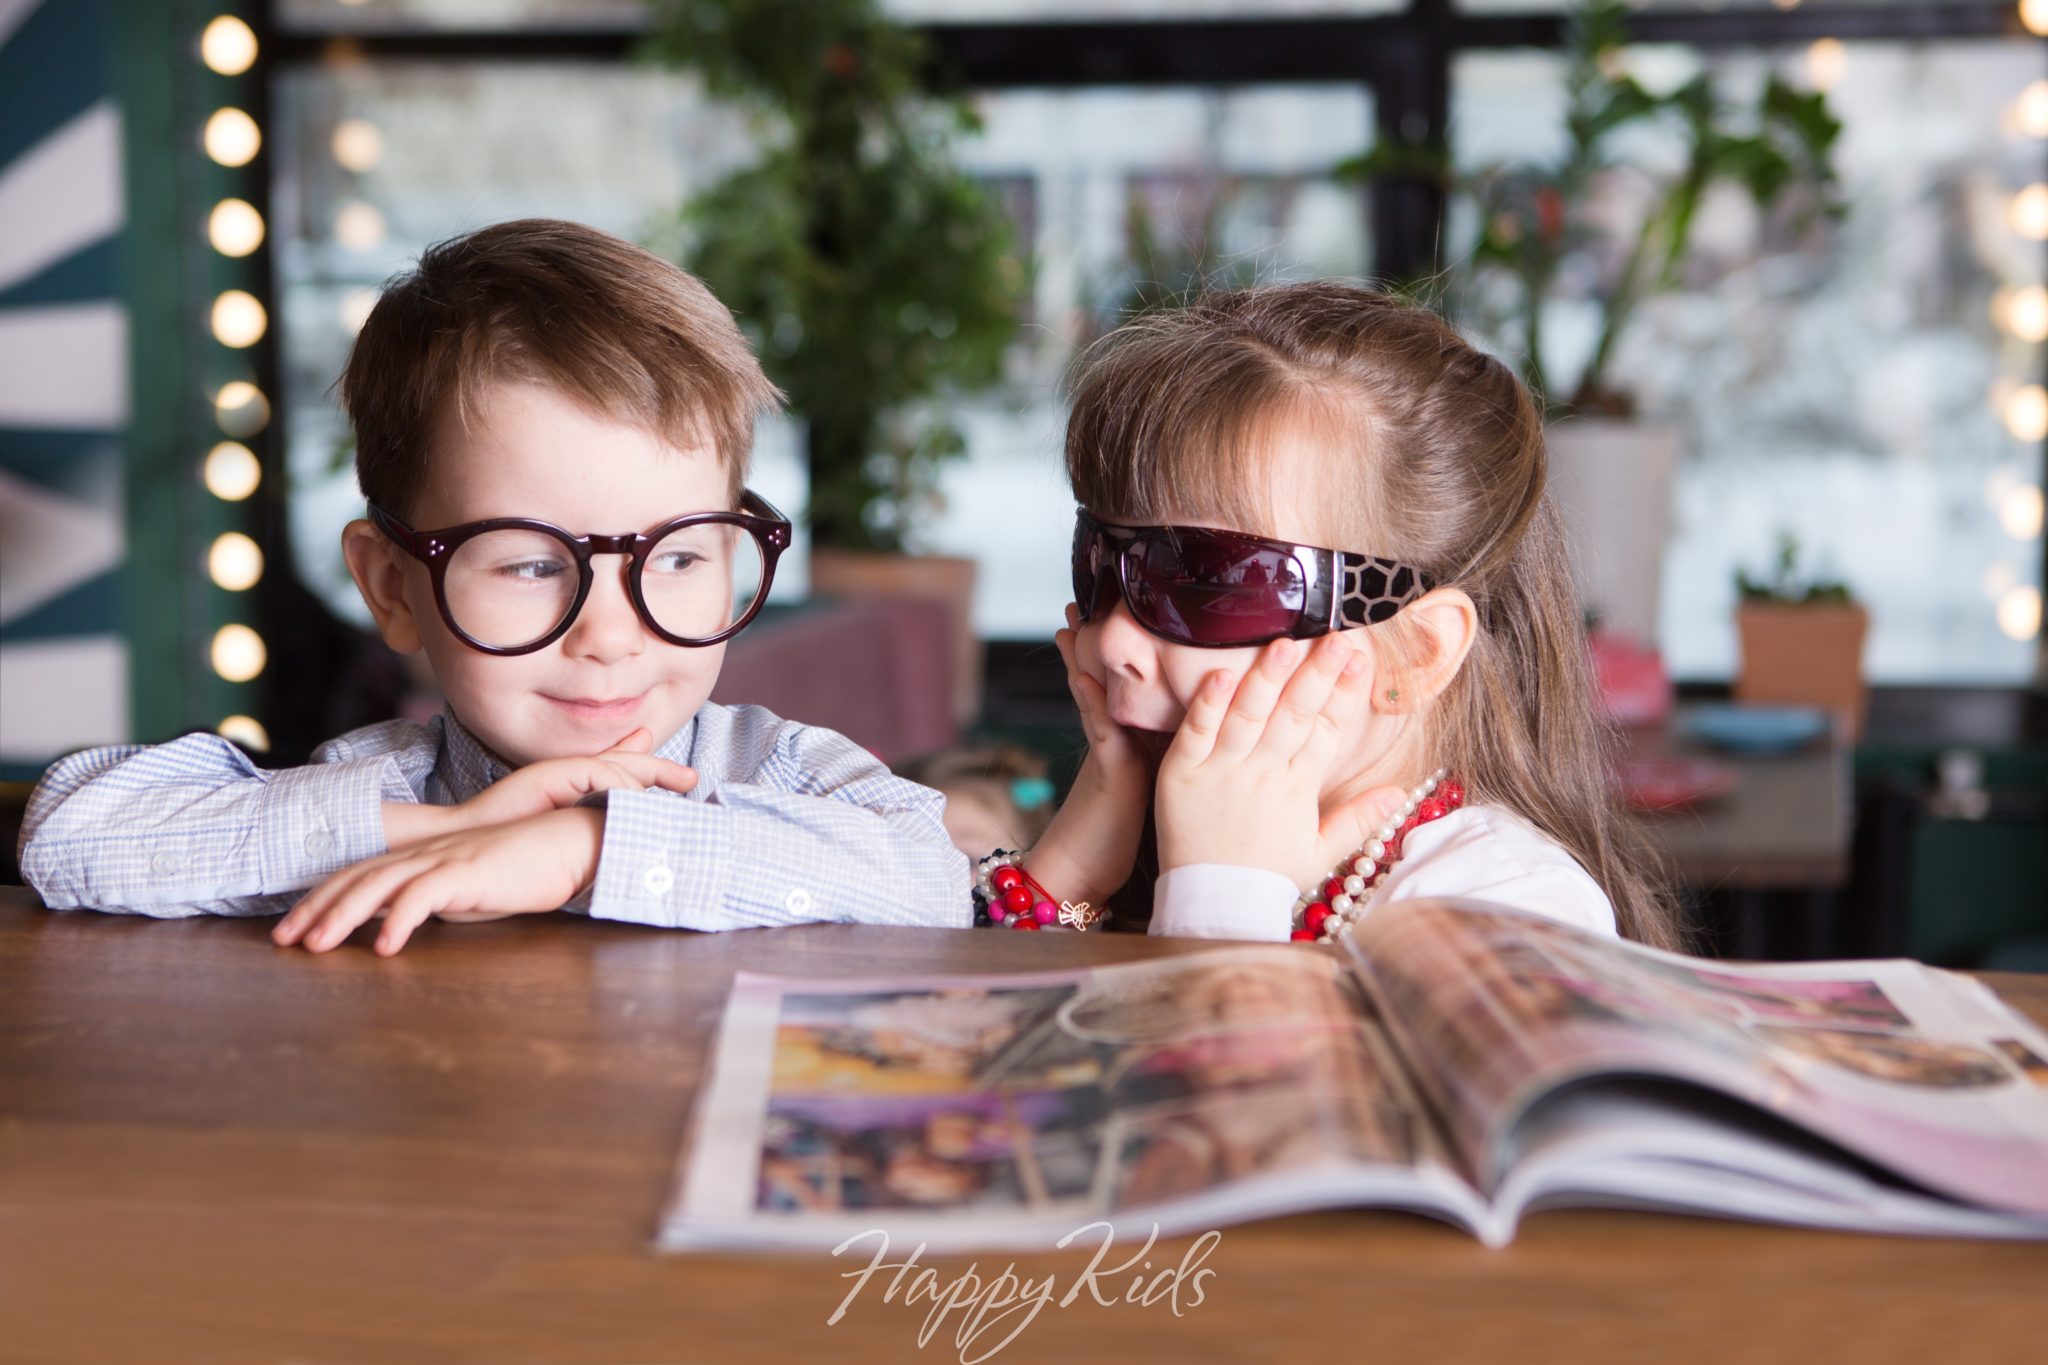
1121	643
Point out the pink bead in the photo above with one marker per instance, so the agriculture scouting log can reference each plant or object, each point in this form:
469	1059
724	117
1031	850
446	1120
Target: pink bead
1045	912
996	912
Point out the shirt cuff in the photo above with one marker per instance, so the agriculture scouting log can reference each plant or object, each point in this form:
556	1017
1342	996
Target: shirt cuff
1219	900
316	820
664	861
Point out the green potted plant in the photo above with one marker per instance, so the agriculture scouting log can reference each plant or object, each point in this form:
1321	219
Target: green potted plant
1538	225
876	278
1801	639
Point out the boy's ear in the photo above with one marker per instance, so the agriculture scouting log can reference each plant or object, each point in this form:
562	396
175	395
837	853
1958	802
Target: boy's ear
374	563
1440	627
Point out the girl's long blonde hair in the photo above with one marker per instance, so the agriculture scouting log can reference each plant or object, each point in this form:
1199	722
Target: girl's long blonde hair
1437	459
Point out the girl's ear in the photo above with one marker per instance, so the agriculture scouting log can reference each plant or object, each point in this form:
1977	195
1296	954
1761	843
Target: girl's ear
374	563
1438	629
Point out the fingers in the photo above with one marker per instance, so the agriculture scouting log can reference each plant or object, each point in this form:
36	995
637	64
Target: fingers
1195	740
1258	691
423	898
357	903
1319	703
641	740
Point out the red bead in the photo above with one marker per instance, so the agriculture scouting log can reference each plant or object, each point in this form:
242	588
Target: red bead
1394	844
1005	877
1315	917
1333	888
1431	809
1451	793
1018	899
1025	923
1302	936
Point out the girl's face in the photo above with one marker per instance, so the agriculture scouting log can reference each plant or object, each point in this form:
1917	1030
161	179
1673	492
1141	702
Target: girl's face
1149	681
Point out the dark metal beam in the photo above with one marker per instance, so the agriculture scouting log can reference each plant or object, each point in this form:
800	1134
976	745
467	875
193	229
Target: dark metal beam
1208	52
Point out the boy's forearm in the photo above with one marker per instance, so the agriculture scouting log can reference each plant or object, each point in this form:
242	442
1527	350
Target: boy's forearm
408	822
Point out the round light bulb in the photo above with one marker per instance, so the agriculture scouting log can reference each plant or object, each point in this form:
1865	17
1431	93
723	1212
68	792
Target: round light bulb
238	653
2028	213
357	145
241	409
2025	314
228	46
232	137
2030	111
359	226
2026	413
245	730
235	562
234	227
356	307
232	471
1826	60
2034	15
2019	511
2019	612
239	319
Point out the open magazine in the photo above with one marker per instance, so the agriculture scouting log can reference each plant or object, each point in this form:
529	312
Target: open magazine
1460	1060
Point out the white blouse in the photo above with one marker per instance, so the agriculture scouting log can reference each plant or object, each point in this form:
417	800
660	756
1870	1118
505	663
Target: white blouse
1485	852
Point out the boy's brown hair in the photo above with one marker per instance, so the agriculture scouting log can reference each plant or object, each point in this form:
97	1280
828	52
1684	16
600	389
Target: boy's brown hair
1436	457
607	324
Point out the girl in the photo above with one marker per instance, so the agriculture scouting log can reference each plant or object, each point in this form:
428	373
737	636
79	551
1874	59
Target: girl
1324	626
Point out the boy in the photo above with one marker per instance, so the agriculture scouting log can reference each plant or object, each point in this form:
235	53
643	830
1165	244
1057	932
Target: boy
552	433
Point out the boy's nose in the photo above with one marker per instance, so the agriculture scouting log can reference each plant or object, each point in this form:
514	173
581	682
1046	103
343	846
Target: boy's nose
607	629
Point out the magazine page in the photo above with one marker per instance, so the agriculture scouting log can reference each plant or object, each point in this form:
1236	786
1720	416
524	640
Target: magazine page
1923	1072
1010	1111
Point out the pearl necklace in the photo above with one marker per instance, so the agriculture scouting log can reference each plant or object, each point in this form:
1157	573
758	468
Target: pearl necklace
1324	913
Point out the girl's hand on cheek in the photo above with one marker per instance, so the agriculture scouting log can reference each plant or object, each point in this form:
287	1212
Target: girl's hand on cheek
1242	782
1092	844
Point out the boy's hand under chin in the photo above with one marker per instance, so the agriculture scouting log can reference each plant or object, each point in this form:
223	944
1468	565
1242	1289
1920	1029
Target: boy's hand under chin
1092	844
1242	781
524	866
551	784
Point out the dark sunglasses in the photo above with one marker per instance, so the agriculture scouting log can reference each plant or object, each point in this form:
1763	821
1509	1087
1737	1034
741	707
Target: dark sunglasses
1225	590
512	585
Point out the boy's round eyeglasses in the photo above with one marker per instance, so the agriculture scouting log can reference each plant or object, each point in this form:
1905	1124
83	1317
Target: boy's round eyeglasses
1195	585
512	585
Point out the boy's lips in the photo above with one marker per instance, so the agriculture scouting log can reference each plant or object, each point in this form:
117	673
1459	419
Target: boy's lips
598	708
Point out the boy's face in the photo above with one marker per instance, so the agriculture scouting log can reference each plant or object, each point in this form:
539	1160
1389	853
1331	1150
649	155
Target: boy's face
528	451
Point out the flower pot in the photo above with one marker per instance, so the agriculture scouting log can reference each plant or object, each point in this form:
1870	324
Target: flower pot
1611	482
1810	655
859	573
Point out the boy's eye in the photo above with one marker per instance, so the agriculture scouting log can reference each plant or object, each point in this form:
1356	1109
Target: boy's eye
673	562
533	570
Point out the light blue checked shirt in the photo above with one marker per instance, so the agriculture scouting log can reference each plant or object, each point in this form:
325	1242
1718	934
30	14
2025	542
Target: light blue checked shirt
788	824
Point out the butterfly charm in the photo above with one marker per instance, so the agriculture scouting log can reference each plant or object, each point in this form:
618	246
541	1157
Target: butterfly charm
1078	916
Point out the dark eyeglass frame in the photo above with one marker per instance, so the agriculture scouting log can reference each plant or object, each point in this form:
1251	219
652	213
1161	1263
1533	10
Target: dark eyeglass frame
1341	589
435	549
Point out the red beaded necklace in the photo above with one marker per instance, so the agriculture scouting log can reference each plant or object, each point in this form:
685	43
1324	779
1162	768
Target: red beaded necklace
1323	913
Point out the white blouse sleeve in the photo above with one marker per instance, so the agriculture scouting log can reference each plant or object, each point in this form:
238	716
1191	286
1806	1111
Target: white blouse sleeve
1218	900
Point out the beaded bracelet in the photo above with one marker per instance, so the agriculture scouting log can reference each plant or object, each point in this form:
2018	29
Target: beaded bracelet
1005	894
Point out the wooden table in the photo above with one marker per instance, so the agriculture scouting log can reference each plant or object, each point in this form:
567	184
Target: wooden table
1786	826
216	1150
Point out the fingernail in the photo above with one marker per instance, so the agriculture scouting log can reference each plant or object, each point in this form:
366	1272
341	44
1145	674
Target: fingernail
1354	665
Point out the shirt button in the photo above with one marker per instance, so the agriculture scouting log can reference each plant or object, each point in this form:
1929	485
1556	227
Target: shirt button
658	880
797	902
163	864
319	842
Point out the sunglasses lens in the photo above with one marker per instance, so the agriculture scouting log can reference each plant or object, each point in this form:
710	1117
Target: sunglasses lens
1218	591
1091	560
